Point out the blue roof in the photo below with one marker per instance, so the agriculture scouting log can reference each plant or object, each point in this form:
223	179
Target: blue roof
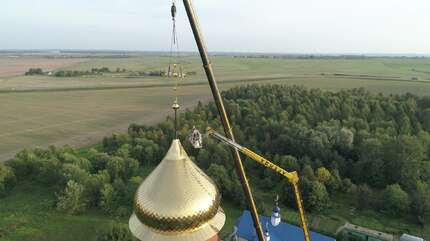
282	232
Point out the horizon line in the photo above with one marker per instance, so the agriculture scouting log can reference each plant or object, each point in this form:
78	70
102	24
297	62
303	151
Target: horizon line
42	50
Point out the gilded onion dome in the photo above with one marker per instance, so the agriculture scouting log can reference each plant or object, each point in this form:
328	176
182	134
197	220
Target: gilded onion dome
177	201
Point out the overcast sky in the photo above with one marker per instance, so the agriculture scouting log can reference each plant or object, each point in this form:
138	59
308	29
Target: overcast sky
287	26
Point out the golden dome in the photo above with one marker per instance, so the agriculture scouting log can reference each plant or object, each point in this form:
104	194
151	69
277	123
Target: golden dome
177	198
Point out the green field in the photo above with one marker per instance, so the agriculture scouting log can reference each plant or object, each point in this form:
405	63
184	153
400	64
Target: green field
44	110
29	214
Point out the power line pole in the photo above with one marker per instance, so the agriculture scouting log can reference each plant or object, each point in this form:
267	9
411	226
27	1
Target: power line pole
223	114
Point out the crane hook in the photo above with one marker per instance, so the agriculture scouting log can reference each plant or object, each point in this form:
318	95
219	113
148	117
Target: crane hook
173	11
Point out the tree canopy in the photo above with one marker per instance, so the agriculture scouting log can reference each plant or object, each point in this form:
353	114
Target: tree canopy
369	146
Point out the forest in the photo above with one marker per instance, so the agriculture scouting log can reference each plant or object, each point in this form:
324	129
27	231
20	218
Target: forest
374	148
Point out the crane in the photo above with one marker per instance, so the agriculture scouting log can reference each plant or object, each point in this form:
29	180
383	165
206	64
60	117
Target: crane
292	177
207	65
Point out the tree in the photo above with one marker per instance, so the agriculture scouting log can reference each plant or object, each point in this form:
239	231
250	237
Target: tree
146	151
110	145
121	193
345	138
318	198
72	199
408	149
50	171
204	159
347	185
34	71
220	155
220	176
290	163
98	160
420	202
335	182
114	198
115	166
75	173
404	124
364	196
24	164
323	175
108	199
261	205
7	179
425	117
132	186
74	159
93	186
120	167
395	200
308	172
236	193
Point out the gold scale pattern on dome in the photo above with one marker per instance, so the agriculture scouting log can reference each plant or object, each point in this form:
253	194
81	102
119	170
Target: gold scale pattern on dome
177	196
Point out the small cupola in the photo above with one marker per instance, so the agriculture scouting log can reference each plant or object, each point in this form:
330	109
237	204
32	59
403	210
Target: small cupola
275	219
266	233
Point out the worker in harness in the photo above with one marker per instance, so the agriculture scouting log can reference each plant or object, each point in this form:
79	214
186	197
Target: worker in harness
196	138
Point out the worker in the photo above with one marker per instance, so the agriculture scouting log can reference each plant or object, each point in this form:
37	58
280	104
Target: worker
196	138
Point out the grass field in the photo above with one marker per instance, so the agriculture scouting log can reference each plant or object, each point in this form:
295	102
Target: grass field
80	117
43	110
413	73
29	214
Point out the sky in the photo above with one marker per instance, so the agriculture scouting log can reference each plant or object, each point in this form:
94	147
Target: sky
276	26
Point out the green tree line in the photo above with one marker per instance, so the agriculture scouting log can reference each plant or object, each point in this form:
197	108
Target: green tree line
78	73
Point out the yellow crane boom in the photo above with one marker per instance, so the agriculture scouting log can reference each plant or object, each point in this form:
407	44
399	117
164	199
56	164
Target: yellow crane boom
292	177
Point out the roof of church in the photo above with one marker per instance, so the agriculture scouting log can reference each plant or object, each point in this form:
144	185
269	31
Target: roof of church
282	232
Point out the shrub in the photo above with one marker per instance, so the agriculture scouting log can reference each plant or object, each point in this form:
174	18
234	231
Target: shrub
323	175
7	179
72	199
24	164
34	71
318	198
108	199
395	200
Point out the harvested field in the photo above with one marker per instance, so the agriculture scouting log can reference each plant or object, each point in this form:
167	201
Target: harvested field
13	66
44	110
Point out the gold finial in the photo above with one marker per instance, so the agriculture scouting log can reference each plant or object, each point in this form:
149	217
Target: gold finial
175	108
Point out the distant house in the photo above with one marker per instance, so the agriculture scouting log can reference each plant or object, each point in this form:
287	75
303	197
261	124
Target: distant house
274	231
366	234
408	237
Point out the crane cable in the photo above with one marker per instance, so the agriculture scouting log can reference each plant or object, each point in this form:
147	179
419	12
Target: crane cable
175	69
